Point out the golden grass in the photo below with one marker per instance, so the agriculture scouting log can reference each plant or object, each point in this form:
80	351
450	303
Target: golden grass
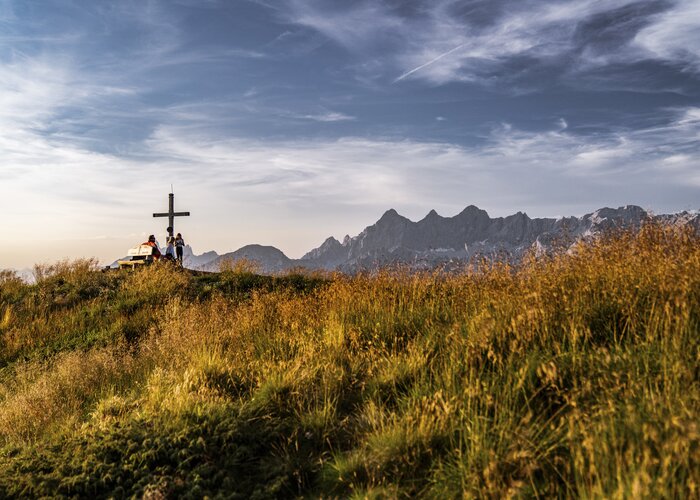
571	374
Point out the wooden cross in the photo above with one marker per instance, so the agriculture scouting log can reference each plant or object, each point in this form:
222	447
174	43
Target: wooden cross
171	214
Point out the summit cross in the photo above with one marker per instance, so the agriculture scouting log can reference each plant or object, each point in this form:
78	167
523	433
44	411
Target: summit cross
171	214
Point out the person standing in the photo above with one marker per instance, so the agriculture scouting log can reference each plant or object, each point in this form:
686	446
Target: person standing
170	250
179	247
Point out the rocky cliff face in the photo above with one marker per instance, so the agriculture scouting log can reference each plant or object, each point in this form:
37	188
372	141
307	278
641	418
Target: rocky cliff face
436	240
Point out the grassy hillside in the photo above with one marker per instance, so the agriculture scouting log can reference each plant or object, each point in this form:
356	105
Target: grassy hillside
576	374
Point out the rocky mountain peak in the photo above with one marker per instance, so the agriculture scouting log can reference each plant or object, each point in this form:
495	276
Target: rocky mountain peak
330	242
330	246
391	216
471	212
432	216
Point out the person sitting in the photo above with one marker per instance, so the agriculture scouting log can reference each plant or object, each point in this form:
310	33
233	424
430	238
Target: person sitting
152	243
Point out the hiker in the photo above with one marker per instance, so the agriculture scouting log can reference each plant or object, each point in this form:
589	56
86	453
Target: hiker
170	250
152	243
179	247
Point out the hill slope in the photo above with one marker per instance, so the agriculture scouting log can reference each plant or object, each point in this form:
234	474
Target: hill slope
570	375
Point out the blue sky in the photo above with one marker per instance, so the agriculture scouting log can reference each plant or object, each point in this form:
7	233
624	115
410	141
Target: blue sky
284	122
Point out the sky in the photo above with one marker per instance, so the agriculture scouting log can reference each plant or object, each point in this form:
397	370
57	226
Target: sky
285	122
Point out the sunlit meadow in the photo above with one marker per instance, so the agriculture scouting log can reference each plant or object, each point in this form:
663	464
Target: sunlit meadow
571	374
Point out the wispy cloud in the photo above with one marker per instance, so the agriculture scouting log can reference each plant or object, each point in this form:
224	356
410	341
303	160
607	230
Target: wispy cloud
432	61
329	116
33	93
674	35
490	41
540	170
355	25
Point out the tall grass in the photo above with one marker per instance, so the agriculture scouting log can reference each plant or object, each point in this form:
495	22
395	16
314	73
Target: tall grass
574	374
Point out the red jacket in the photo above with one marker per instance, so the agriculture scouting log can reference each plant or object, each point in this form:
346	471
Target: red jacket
156	250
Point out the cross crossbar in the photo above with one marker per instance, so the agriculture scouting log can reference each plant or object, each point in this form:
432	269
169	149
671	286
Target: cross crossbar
175	214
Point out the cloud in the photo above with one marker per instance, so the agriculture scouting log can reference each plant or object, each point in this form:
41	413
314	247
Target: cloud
513	169
674	35
432	61
354	25
330	116
494	42
51	179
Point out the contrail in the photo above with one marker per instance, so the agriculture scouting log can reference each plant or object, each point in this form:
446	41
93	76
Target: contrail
429	63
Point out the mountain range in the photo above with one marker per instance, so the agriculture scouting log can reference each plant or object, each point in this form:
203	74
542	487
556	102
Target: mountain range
441	241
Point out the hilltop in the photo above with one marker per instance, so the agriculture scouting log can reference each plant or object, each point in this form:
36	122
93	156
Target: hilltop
571	373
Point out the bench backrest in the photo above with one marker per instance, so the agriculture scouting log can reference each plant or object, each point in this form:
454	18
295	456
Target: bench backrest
140	251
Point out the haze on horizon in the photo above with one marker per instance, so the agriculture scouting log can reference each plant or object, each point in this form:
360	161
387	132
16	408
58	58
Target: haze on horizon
285	122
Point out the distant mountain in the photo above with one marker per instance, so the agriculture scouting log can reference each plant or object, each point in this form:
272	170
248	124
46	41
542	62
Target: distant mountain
437	240
192	261
269	260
